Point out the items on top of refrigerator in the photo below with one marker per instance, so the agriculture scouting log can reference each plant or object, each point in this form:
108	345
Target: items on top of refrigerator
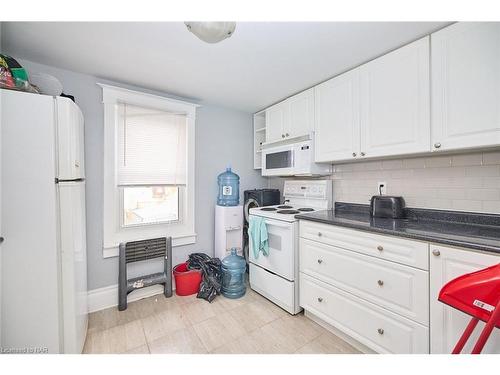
13	76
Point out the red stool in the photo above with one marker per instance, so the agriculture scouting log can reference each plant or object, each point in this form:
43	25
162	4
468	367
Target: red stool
476	294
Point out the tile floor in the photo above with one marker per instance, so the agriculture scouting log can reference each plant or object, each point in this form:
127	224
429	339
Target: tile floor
249	325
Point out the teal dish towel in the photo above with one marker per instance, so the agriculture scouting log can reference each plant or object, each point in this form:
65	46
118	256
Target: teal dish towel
257	231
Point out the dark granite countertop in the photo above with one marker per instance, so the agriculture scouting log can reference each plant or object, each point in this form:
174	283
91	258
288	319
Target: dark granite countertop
463	229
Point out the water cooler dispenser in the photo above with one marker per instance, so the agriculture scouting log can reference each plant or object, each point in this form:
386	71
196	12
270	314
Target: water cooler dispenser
228	230
228	215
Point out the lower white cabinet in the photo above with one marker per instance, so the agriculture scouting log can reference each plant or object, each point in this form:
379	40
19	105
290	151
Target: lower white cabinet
389	304
371	325
401	289
447	324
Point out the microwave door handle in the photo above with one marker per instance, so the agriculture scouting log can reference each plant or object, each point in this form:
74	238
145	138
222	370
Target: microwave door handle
292	158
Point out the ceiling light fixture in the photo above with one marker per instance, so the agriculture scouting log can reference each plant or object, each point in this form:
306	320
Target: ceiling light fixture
211	32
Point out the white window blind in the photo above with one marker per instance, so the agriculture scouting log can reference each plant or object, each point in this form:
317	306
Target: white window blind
151	147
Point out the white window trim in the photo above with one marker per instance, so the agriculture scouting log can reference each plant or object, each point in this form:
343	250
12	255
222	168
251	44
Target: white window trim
182	232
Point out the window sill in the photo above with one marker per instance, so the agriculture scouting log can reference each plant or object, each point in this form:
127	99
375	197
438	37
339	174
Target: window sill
188	239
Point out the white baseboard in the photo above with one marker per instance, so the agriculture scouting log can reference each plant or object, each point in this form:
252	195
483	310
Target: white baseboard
103	298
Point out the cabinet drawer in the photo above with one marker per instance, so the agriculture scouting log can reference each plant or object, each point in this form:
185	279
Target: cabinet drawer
402	289
409	252
373	326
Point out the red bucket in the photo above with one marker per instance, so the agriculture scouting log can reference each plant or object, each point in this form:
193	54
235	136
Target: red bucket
187	281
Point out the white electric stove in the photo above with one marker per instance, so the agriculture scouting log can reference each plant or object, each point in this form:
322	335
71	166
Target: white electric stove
275	276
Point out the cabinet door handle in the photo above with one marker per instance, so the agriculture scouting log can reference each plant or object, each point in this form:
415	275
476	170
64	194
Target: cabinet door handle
320	299
363	154
282	136
320	234
380	282
77	165
354	154
380	248
320	261
287	134
380	331
437	145
1	240
436	252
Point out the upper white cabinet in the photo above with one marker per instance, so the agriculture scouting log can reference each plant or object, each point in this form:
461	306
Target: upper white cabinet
395	101
301	112
447	323
337	118
291	118
378	109
466	86
275	122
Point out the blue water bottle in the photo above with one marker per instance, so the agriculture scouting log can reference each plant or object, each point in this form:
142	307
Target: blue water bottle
233	275
229	188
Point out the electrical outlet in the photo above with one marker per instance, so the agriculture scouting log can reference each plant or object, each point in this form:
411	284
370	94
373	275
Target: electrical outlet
382	188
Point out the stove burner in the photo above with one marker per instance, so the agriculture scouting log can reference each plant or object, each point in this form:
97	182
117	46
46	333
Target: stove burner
306	209
288	212
285	206
268	209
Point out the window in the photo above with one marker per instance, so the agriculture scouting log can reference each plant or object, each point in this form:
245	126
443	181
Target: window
150	205
148	168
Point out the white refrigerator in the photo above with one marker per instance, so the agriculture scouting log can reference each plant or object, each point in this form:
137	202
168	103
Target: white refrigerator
44	261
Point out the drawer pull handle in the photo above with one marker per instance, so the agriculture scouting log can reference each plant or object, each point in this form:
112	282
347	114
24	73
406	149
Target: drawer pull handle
320	261
436	252
380	331
320	299
380	248
320	234
380	282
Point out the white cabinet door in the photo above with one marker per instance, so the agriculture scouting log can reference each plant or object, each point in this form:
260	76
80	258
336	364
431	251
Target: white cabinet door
70	138
446	323
337	118
466	86
73	264
301	114
275	122
395	113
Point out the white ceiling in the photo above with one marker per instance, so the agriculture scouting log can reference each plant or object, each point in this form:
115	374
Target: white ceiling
262	63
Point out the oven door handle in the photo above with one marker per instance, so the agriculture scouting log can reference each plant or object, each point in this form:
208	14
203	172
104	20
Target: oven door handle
277	225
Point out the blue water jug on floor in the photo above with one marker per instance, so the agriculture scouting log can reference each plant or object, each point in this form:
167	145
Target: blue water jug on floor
233	275
229	188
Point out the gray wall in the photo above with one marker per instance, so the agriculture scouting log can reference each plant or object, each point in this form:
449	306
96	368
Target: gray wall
223	137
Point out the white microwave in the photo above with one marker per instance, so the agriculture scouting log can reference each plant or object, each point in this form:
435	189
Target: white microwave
295	159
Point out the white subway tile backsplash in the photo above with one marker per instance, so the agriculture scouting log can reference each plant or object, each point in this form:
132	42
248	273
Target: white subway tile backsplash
483	194
490	182
392	164
466	182
414	163
491	158
467	205
483	171
467	159
438	161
